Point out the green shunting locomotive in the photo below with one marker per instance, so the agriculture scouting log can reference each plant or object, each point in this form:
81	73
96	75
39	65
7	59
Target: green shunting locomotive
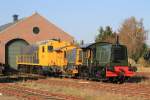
106	61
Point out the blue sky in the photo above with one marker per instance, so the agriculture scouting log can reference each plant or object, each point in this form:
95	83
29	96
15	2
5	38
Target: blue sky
80	18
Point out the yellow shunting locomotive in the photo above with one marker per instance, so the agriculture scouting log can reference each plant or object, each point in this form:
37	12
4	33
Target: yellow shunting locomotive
53	57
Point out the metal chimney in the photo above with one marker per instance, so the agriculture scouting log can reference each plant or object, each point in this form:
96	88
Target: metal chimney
15	17
117	39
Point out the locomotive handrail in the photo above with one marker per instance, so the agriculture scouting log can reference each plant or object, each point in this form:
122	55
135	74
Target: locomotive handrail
25	59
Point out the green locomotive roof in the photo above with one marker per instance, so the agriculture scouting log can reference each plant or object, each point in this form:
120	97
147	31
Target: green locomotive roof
87	46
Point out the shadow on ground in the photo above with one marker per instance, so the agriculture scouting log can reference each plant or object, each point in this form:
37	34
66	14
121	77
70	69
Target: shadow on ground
138	79
13	78
134	79
10	75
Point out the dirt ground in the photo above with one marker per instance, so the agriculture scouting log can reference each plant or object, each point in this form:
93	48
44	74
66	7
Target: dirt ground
138	88
5	97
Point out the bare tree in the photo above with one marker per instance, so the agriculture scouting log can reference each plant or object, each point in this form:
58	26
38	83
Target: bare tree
133	35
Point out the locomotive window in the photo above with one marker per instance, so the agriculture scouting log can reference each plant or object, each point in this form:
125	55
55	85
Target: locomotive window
71	56
103	53
119	53
50	48
80	55
94	53
43	49
65	54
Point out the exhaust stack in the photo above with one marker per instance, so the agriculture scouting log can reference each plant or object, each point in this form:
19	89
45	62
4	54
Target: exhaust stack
117	39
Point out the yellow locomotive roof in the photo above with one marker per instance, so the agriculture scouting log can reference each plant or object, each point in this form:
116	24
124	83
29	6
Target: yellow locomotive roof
57	44
44	41
63	47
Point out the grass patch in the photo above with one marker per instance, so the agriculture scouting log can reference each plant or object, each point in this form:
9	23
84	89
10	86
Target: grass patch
145	82
143	69
87	94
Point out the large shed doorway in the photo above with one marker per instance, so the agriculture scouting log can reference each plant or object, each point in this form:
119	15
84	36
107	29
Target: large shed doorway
12	49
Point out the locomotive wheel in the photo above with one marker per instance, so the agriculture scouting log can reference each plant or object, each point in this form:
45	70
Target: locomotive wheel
121	78
113	80
116	80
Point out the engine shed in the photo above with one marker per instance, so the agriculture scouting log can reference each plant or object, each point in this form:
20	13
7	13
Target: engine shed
25	31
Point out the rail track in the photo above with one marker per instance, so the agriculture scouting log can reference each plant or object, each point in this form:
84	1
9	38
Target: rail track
27	94
128	89
32	94
8	86
143	74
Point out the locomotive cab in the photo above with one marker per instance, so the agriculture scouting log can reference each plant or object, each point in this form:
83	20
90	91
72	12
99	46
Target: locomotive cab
119	55
118	66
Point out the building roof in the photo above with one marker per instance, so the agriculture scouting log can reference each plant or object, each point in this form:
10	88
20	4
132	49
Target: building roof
5	26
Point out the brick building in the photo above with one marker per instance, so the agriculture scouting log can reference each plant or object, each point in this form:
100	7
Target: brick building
22	32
